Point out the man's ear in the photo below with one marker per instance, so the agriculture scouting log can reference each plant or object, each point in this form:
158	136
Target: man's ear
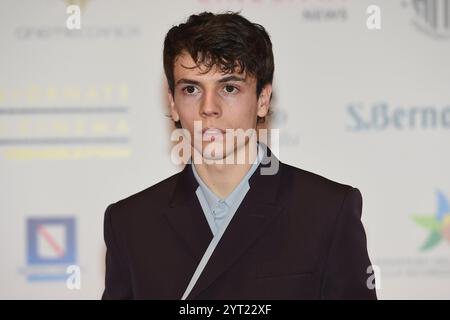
264	100
173	111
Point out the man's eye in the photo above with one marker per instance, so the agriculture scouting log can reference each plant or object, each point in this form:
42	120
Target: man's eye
189	90
230	89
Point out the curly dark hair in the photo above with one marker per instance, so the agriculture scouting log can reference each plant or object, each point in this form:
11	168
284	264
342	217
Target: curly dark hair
227	40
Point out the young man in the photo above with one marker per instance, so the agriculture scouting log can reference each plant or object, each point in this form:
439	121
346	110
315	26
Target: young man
224	228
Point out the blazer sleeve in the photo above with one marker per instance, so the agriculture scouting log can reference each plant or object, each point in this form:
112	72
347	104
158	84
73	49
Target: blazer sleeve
117	275
346	271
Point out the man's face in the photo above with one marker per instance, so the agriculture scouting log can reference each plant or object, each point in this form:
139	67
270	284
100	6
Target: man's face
218	101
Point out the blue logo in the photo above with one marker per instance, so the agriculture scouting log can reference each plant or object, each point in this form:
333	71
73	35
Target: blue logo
51	247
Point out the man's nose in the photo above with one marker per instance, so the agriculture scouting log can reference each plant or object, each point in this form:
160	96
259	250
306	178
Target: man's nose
210	106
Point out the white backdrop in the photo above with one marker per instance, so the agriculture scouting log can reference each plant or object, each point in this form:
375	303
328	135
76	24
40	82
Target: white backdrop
82	125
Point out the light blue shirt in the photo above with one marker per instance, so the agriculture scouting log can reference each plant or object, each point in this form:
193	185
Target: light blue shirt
216	209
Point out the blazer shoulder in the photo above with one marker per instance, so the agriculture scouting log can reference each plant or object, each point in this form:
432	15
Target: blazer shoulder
314	182
321	195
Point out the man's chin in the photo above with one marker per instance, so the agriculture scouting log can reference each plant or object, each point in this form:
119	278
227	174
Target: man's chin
216	154
214	151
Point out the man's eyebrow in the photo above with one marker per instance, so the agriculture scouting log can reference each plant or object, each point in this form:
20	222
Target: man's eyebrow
187	81
231	78
221	80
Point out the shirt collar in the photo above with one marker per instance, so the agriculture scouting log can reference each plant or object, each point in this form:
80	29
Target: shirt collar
212	199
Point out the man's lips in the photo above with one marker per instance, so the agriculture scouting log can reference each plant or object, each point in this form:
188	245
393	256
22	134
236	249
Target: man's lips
213	131
211	134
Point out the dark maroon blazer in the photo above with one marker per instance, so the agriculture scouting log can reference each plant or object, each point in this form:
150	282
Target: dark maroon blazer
296	235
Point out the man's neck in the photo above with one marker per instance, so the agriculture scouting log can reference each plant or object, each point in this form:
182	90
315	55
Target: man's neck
222	179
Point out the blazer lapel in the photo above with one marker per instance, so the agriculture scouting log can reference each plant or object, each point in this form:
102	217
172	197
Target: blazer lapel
255	213
186	215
